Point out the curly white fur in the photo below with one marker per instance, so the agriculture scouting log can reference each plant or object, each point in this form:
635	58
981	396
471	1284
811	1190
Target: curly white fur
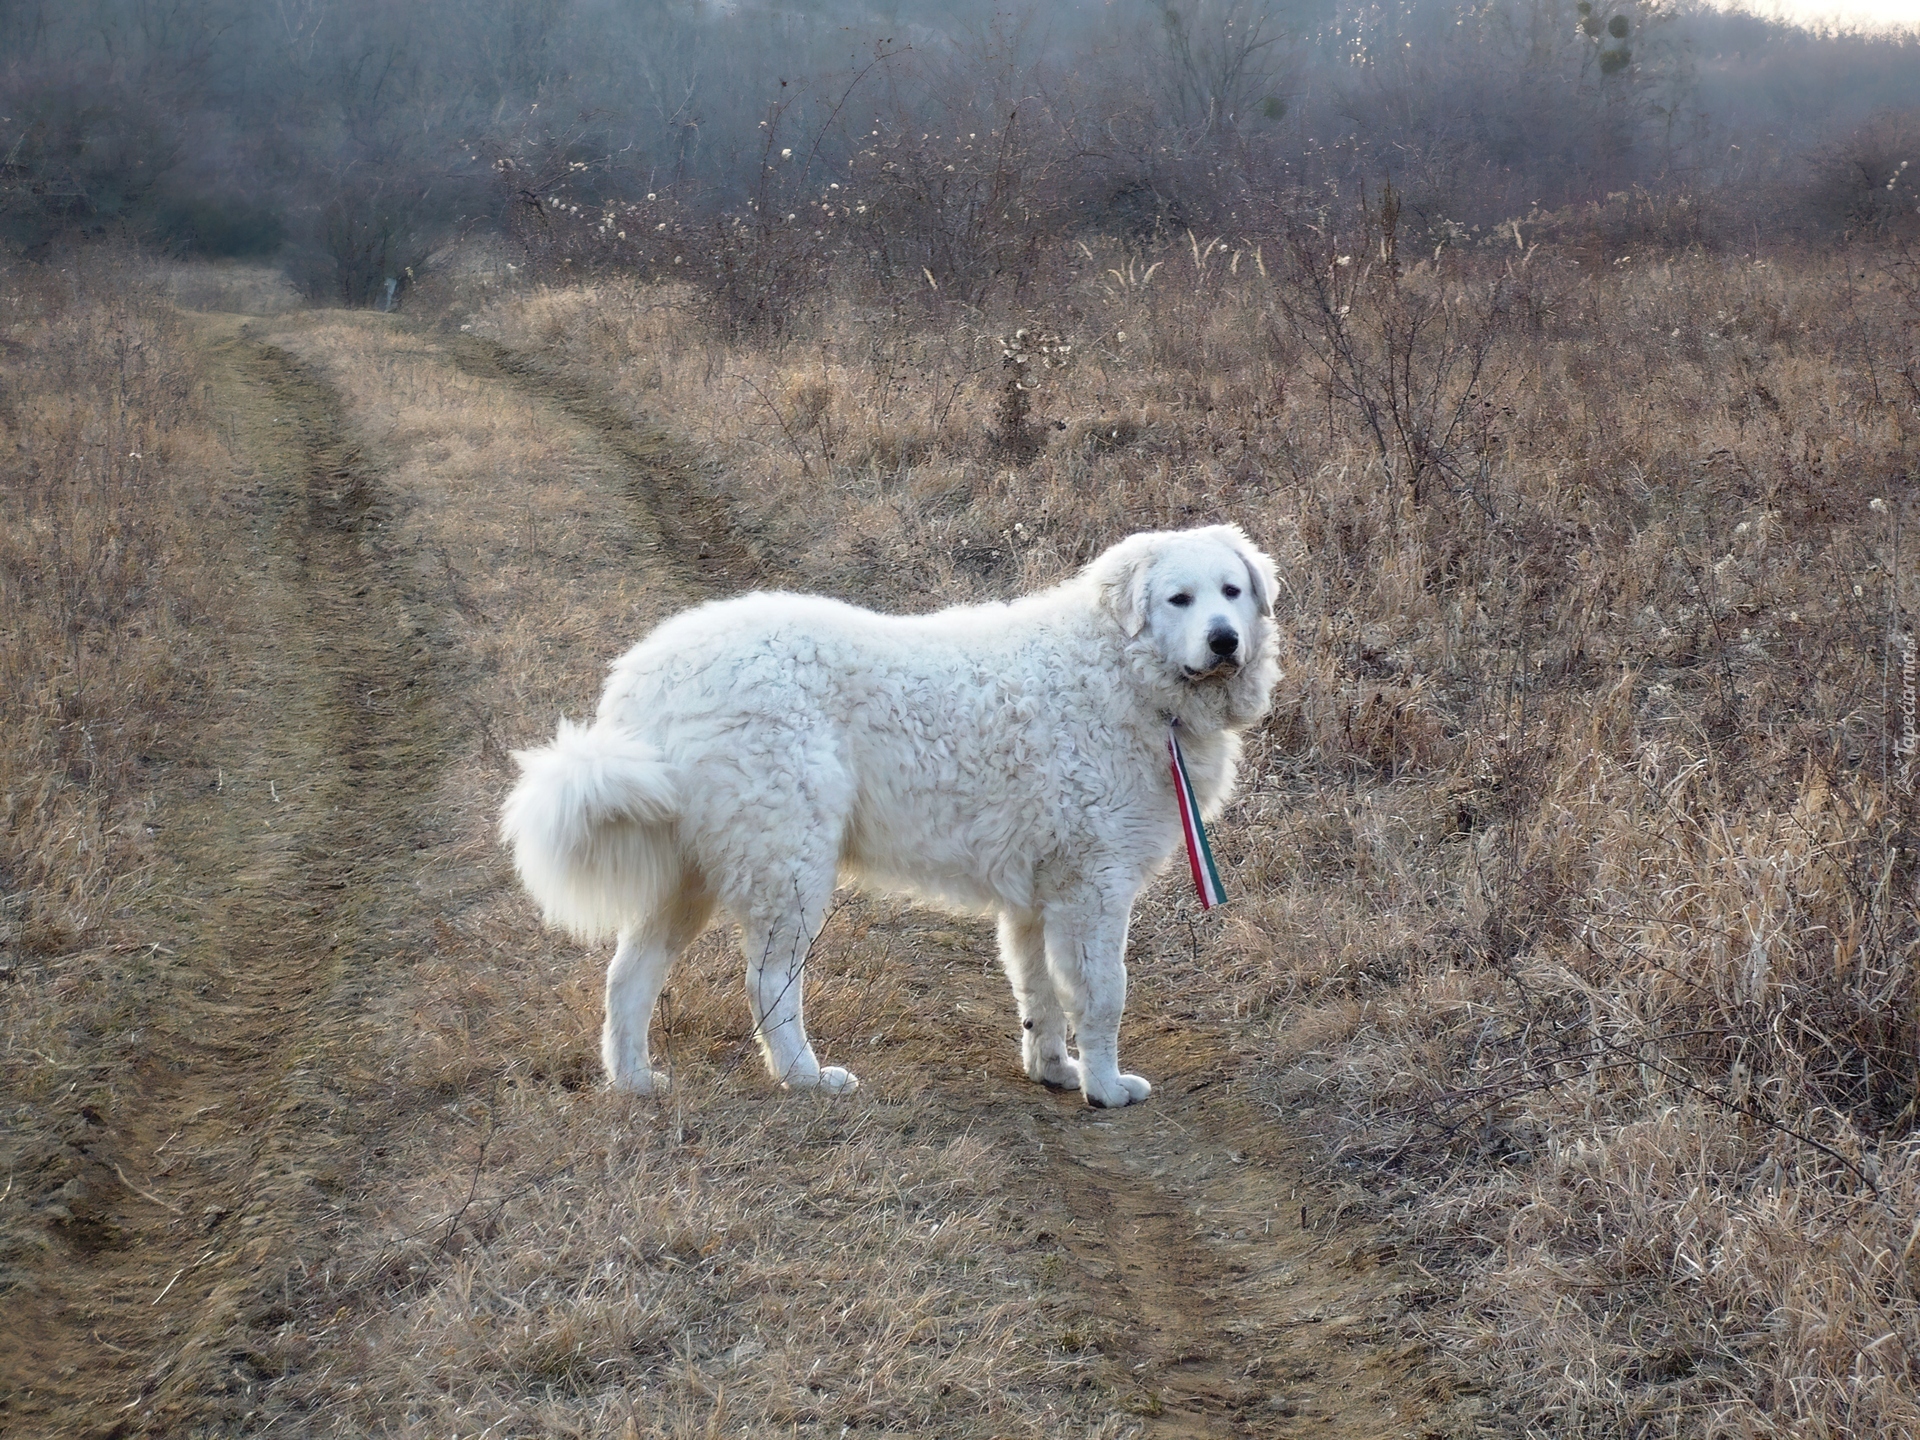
1006	759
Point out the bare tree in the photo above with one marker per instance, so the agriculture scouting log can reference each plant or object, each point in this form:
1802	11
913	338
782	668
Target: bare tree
1224	62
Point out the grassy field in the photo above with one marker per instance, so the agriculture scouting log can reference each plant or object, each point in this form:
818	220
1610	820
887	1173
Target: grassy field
1550	1072
1574	876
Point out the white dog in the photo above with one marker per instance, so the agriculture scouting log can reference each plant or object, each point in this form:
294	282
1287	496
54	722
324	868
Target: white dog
1008	759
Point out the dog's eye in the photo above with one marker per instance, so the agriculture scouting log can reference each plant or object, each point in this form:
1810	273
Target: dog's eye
1183	599
1232	592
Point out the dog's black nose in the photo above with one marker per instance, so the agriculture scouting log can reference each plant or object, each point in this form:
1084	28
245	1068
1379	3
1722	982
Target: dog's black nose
1222	641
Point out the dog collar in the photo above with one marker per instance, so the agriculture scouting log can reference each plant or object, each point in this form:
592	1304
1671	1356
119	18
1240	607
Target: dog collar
1206	875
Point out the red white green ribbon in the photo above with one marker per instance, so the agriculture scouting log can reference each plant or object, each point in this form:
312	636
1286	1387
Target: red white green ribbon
1206	876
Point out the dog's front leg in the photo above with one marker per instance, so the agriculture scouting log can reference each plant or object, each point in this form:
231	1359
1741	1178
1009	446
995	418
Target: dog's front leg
1043	1015
1087	954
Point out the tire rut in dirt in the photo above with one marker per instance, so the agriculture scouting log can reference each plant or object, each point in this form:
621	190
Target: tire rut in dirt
1160	1284
357	716
661	475
1219	1289
1228	1316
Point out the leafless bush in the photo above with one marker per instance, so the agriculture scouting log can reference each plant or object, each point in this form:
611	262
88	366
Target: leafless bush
365	229
964	217
967	214
1869	182
1410	344
1224	62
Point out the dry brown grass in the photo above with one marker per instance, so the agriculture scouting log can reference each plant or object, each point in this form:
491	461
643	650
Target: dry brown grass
1575	872
680	1279
539	1257
514	1251
108	465
1574	876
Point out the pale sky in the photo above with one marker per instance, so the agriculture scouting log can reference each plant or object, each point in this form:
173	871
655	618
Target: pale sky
1862	14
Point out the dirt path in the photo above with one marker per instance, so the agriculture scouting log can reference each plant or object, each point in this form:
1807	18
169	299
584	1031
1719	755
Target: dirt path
1240	1301
1228	1291
1219	1292
696	543
190	1197
1251	1307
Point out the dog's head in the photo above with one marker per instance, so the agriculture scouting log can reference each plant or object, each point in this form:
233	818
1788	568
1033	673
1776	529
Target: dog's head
1199	604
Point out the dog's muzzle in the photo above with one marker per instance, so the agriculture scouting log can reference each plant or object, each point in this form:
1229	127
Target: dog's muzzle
1220	671
1224	643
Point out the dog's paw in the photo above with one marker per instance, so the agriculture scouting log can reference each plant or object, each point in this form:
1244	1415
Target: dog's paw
836	1081
830	1078
1116	1091
638	1082
1061	1072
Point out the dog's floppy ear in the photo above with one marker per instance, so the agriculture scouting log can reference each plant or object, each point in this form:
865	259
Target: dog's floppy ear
1261	573
1120	574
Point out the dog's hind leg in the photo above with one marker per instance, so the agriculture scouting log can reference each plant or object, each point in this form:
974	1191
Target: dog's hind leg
634	981
777	939
1043	1020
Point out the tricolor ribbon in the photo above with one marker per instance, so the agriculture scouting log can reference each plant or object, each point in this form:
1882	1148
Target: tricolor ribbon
1206	876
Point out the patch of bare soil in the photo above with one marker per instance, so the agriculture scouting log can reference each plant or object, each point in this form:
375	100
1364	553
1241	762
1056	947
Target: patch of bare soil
203	1203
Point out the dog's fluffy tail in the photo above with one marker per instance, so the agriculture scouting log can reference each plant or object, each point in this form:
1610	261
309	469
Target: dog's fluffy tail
590	828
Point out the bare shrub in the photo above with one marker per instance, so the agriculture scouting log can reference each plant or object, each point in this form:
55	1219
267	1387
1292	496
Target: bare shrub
365	229
1868	182
1411	347
1223	61
926	220
968	214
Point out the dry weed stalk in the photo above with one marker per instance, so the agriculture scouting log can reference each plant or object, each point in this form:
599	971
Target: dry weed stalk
1029	358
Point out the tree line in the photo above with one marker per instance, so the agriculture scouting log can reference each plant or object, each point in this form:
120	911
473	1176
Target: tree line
351	138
